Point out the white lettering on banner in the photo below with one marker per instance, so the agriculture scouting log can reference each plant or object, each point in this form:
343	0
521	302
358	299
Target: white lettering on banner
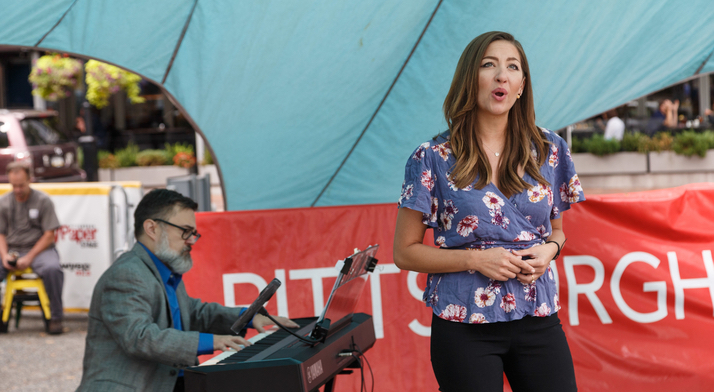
230	280
681	284
316	274
589	289
376	289
282	294
417	293
660	287
554	267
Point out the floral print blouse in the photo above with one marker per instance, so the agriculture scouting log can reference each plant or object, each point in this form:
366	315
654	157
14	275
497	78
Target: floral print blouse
478	219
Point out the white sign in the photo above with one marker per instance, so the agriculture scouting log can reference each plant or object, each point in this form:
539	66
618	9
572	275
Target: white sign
96	225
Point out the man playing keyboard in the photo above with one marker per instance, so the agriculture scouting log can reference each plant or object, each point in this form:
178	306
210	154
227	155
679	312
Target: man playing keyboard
143	327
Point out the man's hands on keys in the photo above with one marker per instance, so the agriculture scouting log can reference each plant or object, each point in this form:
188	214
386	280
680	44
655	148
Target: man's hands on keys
227	342
260	322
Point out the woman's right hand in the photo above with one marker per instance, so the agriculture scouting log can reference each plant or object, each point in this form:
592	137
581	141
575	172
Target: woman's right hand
411	254
499	264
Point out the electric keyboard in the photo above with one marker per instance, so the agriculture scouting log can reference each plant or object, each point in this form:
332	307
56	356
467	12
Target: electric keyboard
220	357
281	362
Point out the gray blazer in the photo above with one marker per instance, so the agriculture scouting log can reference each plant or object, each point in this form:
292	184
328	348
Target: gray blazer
131	344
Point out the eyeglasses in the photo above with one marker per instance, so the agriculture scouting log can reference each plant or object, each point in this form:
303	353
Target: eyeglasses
187	232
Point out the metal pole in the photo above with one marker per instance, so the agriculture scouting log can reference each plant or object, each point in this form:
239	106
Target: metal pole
112	226
200	149
569	136
89	145
704	97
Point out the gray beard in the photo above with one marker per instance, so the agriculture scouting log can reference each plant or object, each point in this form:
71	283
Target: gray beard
178	263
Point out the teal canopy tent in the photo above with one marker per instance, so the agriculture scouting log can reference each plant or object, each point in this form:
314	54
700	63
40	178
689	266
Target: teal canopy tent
319	102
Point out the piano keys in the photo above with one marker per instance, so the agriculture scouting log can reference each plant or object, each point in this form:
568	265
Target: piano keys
254	339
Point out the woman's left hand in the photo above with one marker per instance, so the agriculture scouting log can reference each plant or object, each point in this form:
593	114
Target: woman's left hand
539	257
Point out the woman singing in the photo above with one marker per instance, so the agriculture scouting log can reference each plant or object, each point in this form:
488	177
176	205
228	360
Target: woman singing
493	188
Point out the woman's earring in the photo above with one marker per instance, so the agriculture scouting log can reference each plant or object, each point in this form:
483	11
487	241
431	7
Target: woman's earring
518	96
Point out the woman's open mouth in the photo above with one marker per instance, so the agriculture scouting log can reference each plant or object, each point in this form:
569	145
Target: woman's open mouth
499	94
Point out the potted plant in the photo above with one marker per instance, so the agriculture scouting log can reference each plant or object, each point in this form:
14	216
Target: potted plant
689	151
103	80
150	167
599	156
55	76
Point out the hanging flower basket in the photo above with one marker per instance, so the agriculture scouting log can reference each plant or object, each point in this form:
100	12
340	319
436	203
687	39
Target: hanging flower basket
103	80
55	76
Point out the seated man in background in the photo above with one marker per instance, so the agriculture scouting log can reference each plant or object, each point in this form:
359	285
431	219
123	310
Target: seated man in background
664	118
143	326
27	239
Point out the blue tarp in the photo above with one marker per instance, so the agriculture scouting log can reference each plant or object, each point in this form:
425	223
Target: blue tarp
317	102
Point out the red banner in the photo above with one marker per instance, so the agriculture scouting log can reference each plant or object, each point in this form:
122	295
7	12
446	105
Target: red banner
636	282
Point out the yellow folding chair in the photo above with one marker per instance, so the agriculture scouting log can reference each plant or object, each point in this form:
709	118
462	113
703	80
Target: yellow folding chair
24	286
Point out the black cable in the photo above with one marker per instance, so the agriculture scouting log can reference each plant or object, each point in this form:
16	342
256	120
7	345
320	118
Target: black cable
368	364
302	338
371	375
362	387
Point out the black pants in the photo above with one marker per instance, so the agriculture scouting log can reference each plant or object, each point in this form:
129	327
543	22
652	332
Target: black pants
179	387
533	352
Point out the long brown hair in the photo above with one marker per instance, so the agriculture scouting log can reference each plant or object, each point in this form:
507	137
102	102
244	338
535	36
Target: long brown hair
460	107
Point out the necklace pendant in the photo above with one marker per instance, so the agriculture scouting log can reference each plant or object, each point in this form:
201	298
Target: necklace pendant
497	154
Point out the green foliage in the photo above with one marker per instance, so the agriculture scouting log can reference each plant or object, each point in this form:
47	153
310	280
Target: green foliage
207	157
55	76
107	160
127	156
709	137
173	149
636	141
578	145
152	158
661	141
597	145
689	143
181	154
103	80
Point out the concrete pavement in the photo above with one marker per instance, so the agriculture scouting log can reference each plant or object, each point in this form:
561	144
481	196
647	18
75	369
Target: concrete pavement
33	361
